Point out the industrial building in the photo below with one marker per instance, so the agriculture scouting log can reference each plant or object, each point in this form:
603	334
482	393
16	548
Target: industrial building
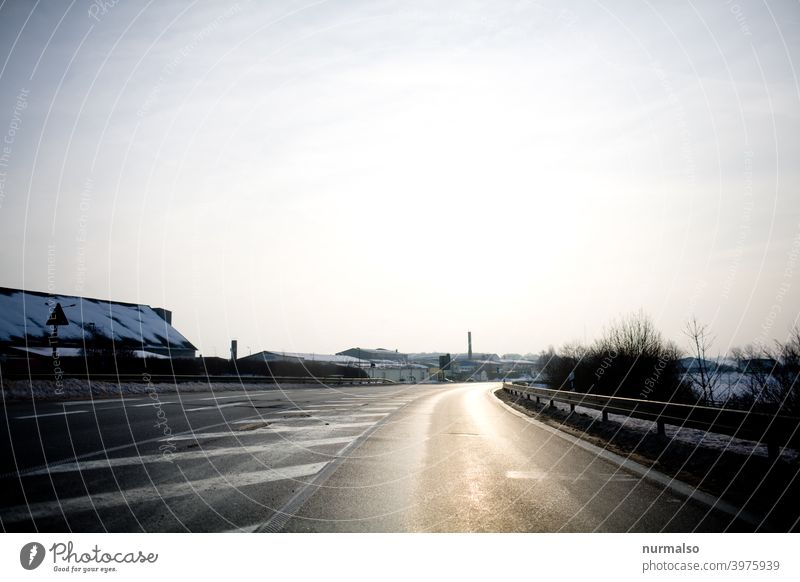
299	357
375	355
85	325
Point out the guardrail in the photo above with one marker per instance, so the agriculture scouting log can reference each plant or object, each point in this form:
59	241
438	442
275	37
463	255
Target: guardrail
771	429
206	379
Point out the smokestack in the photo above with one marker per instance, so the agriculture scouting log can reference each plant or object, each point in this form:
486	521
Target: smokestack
234	349
469	345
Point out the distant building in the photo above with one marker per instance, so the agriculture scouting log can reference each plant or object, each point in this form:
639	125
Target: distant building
300	357
375	355
513	367
94	326
427	358
403	373
476	357
475	366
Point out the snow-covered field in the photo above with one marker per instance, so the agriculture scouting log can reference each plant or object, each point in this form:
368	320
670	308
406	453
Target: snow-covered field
690	436
730	384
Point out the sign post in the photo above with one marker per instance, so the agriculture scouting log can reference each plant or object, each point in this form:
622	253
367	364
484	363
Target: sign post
57	317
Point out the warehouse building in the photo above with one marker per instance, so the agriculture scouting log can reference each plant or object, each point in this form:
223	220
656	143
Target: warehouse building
85	326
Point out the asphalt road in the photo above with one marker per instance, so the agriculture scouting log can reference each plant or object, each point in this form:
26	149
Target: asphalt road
365	458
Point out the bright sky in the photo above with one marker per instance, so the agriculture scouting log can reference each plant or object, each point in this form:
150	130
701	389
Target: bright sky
313	176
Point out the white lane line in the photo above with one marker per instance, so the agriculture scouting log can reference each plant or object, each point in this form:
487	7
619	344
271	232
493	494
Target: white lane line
279	518
61	413
258	432
252	451
242	396
97	401
154	403
92	403
309	427
222	485
211	407
297	411
366	414
537	475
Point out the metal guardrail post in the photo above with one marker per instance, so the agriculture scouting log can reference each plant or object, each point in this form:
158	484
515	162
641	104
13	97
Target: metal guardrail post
773	450
661	429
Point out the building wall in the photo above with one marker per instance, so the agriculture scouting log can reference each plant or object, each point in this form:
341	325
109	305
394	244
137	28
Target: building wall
402	375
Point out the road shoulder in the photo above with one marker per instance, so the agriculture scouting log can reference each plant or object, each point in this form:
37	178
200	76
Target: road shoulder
580	434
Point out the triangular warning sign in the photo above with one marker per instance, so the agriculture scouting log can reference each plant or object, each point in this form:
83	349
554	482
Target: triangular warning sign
57	316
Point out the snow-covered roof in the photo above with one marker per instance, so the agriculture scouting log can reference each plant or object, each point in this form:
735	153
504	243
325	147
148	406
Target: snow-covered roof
390	364
307	357
373	354
23	315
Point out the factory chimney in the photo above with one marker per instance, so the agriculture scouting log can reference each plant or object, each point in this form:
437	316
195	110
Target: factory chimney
469	345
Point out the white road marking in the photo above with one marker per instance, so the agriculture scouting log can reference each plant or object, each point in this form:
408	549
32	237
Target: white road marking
366	414
96	401
222	485
243	396
299	411
61	413
253	451
211	407
537	475
285	428
257	432
154	403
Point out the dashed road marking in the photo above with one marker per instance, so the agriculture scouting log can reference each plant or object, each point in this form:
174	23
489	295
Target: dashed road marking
243	396
60	413
211	407
368	414
253	451
99	401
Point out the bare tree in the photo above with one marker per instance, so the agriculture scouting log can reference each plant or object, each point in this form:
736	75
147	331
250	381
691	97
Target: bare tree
633	359
635	335
773	374
787	372
706	377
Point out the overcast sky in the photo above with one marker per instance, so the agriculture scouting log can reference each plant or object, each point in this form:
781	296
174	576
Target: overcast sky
313	176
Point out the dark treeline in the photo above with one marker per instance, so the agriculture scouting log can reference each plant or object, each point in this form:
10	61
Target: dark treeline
632	359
